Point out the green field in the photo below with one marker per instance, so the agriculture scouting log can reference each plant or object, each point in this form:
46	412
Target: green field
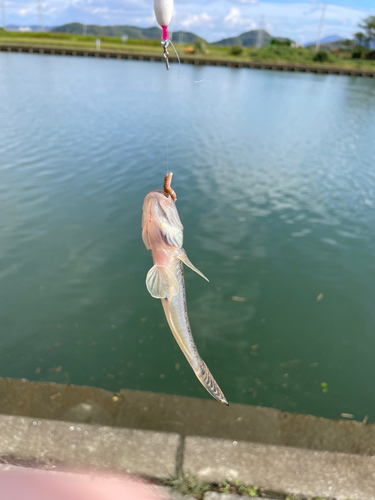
270	53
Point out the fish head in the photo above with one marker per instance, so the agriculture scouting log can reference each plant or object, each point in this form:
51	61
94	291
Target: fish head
161	225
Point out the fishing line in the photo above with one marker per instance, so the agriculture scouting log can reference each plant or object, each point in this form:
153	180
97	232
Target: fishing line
179	68
178	57
168	156
109	361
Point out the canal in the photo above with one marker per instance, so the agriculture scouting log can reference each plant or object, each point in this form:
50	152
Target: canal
274	174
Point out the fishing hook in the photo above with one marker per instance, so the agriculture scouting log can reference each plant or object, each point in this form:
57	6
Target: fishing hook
165	44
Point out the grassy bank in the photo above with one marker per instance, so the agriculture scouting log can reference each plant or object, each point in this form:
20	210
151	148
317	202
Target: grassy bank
270	53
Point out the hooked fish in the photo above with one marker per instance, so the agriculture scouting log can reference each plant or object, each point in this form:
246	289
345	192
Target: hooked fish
162	233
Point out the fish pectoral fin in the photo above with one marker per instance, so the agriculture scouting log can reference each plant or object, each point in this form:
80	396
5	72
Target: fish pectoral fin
185	259
161	283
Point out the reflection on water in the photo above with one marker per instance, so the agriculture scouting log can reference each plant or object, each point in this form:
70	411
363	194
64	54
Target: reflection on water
275	187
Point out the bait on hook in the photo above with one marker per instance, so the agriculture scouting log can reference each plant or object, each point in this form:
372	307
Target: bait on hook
163	13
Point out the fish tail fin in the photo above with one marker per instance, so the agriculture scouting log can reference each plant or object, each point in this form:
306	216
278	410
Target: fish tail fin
209	383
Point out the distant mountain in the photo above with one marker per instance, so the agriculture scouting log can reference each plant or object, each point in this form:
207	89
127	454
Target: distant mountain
251	38
334	43
327	39
96	30
153	33
185	37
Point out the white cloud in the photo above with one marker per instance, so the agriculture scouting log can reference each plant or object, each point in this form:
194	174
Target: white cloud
145	21
235	18
195	20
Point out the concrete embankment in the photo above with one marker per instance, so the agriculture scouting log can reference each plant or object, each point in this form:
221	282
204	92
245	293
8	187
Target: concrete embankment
160	435
197	61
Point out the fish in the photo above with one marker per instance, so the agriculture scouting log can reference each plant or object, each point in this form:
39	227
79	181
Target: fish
162	233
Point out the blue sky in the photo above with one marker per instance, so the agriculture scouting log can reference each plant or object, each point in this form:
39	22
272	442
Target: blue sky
212	19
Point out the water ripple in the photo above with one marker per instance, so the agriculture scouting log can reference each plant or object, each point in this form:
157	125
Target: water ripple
275	182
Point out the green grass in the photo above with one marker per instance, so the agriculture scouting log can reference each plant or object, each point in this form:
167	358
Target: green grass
187	484
249	491
246	490
73	38
271	53
302	55
61	40
193	487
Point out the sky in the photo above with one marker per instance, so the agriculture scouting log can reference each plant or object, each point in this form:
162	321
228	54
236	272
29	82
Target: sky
211	19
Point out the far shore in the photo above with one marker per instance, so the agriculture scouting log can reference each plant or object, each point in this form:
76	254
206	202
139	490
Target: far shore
271	57
199	60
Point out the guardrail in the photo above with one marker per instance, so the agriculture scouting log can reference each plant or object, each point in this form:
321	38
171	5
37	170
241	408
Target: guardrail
201	61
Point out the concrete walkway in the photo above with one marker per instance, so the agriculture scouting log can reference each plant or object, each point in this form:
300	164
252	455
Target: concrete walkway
184	416
160	436
159	455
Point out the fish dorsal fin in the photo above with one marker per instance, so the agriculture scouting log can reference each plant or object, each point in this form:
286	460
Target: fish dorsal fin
185	259
161	283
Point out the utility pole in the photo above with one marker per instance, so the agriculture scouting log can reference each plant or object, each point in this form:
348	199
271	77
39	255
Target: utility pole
3	13
317	47
40	16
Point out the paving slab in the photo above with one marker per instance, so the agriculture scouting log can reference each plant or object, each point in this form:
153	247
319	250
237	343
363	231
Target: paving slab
184	415
142	452
281	469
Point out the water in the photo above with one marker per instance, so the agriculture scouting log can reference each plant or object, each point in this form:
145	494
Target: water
275	179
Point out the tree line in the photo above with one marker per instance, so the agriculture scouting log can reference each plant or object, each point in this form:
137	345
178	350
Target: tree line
366	38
